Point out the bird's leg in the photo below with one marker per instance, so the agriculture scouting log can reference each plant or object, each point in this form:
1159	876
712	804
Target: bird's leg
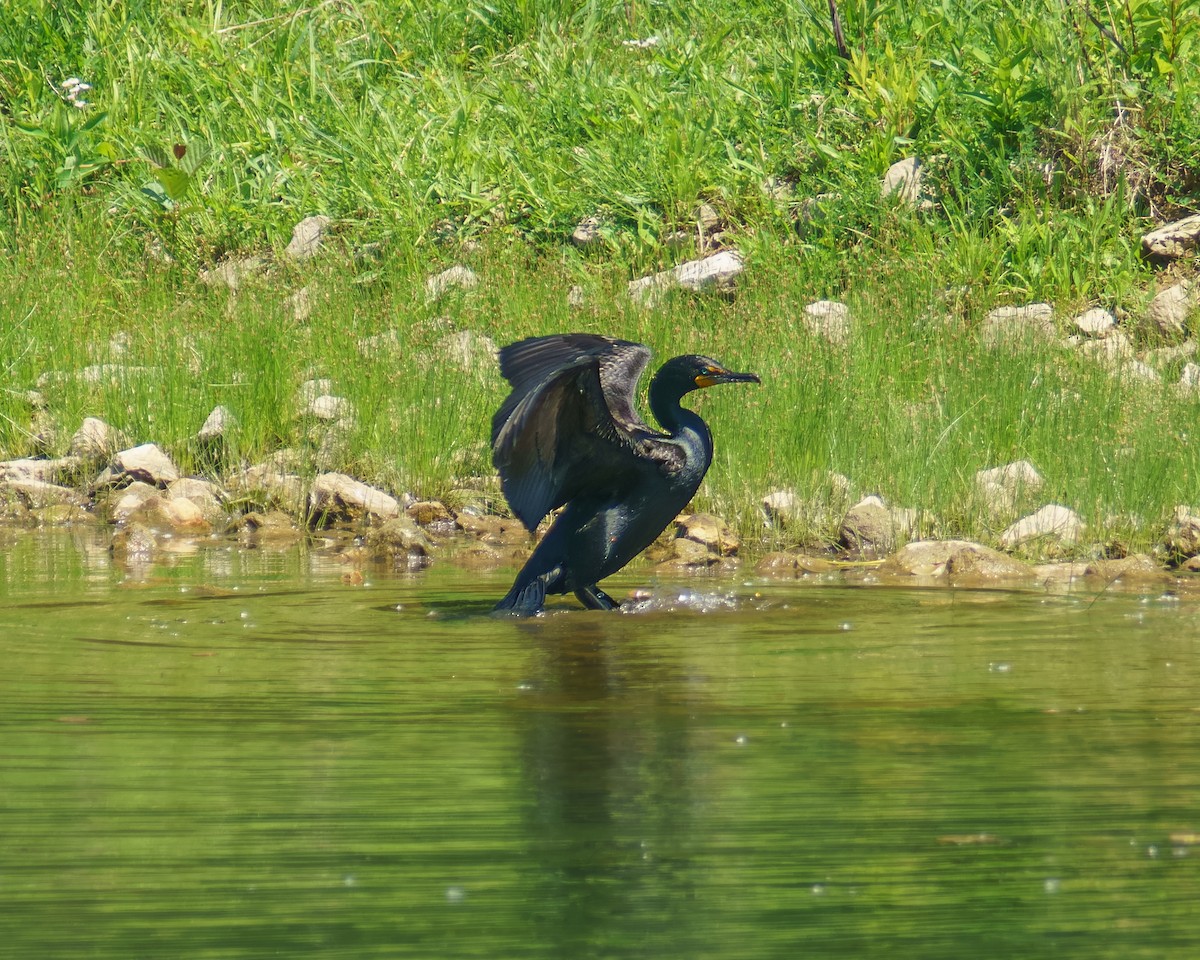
595	599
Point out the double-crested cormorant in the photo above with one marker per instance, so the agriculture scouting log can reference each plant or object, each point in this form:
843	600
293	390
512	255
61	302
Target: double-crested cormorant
568	434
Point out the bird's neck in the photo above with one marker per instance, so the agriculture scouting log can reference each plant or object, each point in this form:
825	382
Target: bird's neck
674	418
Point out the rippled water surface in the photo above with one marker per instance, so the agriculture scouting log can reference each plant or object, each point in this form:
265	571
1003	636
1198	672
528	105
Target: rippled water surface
247	754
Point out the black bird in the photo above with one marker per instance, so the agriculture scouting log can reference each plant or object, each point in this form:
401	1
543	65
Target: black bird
568	434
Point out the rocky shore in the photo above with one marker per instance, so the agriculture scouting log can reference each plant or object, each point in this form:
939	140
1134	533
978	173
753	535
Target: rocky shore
139	495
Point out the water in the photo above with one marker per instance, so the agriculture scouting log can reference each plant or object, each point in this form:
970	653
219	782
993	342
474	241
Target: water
237	754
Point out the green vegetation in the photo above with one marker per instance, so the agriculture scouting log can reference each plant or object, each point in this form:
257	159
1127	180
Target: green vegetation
482	133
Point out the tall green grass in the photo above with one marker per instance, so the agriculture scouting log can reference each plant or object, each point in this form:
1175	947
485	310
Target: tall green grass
482	133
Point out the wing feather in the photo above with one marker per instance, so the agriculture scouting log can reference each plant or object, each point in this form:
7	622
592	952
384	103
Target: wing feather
569	425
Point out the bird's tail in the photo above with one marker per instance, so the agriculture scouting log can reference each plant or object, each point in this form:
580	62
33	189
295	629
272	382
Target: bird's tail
525	598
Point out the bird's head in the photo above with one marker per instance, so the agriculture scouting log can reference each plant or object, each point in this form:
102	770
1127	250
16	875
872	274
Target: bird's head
687	373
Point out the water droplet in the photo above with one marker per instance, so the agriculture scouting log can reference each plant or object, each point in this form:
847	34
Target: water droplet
398	607
1000	667
1152	851
455	894
784	725
845	625
245	614
818	889
1052	885
349	880
741	739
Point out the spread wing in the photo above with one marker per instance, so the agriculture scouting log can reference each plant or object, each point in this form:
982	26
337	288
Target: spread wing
569	426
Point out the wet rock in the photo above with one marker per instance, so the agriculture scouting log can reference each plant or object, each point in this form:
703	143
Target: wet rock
586	232
425	512
306	237
401	540
1169	310
118	507
1053	523
717	272
167	514
709	531
872	526
456	277
272	525
336	497
35	494
1002	488
1182	536
504	531
147	463
684	554
787	563
1173	240
1009	325
94	441
958	560
1138	568
133	543
829	320
1096	322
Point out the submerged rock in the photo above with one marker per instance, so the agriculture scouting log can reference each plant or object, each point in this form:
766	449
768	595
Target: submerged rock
401	540
959	560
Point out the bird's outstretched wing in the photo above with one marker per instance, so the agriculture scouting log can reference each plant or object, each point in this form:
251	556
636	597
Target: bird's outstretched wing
569	426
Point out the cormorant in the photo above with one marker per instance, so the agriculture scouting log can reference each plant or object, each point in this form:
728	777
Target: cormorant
568	434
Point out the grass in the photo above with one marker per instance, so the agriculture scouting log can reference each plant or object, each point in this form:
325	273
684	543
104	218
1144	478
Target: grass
482	133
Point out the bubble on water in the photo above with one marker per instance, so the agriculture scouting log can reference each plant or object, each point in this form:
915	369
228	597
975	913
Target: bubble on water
398	607
817	889
1152	851
845	626
783	724
741	739
999	667
524	686
455	894
245	614
349	880
1052	885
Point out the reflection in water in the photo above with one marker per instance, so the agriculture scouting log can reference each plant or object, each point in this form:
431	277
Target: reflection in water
241	755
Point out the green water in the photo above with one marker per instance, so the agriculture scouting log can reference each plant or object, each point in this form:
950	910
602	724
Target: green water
238	754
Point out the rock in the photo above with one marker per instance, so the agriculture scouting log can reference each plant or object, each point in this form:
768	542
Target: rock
133	543
311	389
336	497
503	531
36	494
905	180
217	424
59	470
710	531
474	555
402	540
707	218
781	563
1165	356
299	305
1114	349
425	512
829	320
169	514
231	273
1169	310
146	462
468	351
1138	568
1138	371
1053	522
586	232
1014	324
1182	537
388	342
306	237
1189	379
828	502
959	560
208	497
685	554
1002	488
782	508
122	505
1096	322
873	526
718	271
456	277
94	441
1173	240
326	407
273	525
112	374
576	297
266	485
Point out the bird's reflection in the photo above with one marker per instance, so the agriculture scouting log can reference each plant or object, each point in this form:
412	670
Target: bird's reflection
605	750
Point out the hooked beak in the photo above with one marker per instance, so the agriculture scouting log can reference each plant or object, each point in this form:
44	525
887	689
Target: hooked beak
725	376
